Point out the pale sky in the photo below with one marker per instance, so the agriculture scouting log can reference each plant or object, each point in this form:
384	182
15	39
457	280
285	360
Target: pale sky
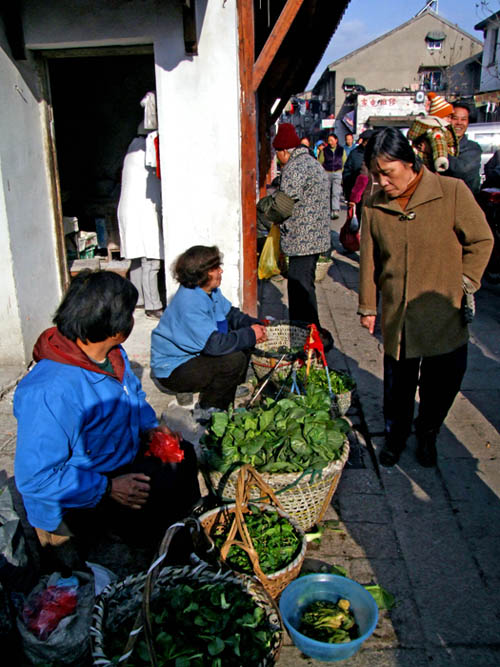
365	20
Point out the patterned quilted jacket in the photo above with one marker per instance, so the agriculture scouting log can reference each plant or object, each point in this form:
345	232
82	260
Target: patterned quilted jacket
307	230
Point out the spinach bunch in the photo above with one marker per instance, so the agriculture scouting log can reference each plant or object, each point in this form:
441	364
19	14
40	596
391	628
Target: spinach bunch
211	625
341	382
293	434
274	538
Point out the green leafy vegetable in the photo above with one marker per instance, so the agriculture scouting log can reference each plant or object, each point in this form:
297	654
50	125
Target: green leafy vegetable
383	598
293	434
274	538
209	625
328	622
341	382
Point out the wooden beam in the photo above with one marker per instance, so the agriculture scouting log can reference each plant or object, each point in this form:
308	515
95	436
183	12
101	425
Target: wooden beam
248	154
275	39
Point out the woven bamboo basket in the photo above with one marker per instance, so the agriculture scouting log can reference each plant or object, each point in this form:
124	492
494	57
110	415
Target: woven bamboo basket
123	601
248	478
304	496
322	270
282	336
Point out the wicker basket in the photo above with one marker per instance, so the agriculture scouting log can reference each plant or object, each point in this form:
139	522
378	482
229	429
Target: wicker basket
281	335
120	603
273	583
304	497
322	270
233	514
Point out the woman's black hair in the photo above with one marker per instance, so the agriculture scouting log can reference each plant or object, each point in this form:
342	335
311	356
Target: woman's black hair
96	306
391	144
191	268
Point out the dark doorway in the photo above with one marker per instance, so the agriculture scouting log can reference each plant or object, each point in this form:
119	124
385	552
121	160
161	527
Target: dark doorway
96	104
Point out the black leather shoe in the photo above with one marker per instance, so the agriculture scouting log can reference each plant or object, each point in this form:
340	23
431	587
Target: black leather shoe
426	449
392	449
389	456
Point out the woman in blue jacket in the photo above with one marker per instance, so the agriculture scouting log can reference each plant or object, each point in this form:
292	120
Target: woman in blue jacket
83	423
201	343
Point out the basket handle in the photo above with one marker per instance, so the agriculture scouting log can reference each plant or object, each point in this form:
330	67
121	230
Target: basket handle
143	618
247	477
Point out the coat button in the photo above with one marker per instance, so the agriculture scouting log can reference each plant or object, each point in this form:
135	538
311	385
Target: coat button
88	451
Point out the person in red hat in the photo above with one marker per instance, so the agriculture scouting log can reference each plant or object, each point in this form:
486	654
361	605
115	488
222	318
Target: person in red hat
305	234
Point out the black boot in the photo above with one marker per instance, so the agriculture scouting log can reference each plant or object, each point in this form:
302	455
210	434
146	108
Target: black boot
391	451
426	448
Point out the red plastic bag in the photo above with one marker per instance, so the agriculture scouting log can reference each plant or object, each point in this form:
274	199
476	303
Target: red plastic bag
349	240
43	611
165	447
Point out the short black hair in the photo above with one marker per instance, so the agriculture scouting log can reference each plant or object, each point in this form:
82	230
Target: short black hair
462	105
191	268
97	305
349	134
390	143
332	134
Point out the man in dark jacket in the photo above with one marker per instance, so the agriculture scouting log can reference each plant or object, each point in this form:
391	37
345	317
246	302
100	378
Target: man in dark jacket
331	159
467	165
353	164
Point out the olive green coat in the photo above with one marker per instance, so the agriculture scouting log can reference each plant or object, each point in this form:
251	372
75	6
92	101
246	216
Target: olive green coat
418	264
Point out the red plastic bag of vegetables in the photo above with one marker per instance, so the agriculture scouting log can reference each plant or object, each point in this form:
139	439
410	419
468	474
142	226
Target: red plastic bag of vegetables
165	446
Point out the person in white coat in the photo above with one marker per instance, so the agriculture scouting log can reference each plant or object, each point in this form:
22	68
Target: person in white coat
139	221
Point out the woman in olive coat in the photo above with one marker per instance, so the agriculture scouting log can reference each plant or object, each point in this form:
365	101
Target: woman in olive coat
424	244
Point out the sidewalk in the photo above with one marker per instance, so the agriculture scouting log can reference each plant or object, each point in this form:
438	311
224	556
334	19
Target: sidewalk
431	537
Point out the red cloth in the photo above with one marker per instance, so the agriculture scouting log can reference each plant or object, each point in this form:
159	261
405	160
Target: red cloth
314	343
54	346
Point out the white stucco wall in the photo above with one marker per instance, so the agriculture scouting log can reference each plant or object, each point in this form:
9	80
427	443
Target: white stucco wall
200	143
30	280
198	110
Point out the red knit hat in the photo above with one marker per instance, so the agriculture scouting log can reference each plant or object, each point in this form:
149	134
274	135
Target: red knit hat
439	106
286	137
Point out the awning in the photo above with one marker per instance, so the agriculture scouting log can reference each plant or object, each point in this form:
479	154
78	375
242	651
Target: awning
435	36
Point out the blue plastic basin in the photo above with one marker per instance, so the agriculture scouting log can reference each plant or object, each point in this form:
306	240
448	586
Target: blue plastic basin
301	592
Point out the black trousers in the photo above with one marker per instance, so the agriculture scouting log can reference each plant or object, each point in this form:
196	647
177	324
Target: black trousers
302	303
174	489
438	378
216	378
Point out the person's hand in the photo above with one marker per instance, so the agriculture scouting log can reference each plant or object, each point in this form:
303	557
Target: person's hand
368	321
352	204
260	332
131	490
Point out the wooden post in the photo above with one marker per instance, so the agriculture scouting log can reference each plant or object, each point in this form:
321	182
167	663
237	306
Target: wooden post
248	154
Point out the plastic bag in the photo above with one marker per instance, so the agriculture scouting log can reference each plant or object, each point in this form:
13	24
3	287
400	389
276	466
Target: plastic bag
354	224
269	257
165	446
45	609
68	643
